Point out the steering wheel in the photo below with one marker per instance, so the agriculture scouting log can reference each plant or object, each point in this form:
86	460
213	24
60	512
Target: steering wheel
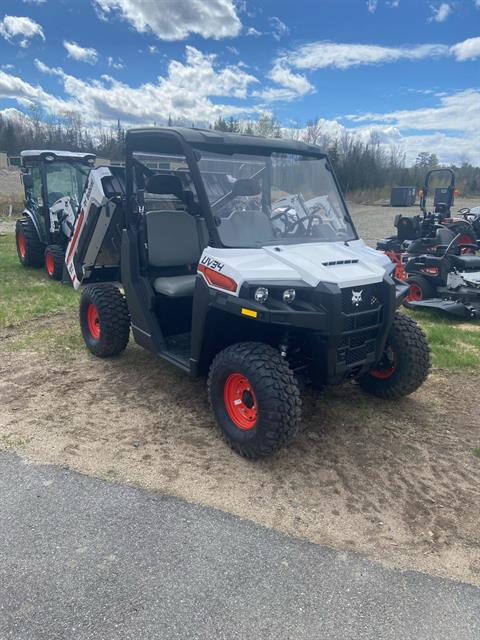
309	219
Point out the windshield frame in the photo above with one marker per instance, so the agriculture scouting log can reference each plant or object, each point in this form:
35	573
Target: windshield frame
166	141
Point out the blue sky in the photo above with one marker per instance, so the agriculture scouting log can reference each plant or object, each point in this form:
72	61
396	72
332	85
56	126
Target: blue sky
407	70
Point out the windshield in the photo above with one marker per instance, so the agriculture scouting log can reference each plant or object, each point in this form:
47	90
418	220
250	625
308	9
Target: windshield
282	198
66	179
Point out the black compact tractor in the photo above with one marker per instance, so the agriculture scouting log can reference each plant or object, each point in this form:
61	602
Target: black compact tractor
418	233
234	257
53	183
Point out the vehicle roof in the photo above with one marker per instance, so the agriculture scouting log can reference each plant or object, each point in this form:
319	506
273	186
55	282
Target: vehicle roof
211	137
67	155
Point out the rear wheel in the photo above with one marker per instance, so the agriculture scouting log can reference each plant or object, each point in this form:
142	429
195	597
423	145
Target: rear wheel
29	248
420	289
255	398
405	363
104	319
54	261
467	236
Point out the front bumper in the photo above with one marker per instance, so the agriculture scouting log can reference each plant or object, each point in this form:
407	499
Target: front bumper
338	335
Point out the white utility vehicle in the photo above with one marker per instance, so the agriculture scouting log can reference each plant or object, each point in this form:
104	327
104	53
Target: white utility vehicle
235	257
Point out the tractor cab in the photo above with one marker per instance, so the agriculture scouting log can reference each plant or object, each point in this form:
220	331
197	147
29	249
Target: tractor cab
53	182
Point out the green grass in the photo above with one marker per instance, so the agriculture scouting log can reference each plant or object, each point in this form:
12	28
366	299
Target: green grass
476	452
26	294
455	345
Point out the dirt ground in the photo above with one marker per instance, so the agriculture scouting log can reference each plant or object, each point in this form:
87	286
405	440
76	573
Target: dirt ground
398	482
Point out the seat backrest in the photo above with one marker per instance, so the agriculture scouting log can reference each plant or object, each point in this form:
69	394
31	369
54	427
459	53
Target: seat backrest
173	238
246	228
407	227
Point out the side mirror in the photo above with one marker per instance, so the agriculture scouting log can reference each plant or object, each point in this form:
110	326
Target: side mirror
246	187
27	179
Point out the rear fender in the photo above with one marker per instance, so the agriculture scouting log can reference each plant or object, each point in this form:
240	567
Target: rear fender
34	218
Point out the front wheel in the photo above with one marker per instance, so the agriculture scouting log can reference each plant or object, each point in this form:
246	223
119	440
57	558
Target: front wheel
405	364
419	289
54	261
104	320
255	398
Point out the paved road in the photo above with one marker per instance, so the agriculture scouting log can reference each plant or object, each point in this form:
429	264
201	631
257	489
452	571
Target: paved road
83	559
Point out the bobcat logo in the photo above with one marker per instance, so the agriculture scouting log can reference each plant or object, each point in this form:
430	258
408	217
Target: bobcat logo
357	298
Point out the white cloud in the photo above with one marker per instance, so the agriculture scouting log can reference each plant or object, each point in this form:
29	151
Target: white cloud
291	85
8	67
115	64
280	29
372	5
477	3
34	1
152	49
83	54
253	32
440	13
184	92
468	49
234	51
457	112
176	19
320	55
19	29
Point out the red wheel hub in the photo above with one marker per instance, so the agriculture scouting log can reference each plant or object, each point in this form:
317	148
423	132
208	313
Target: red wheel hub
415	292
386	367
240	401
50	264
465	239
93	321
21	244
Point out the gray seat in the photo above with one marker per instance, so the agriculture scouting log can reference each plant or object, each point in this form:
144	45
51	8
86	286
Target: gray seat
246	229
175	286
174	239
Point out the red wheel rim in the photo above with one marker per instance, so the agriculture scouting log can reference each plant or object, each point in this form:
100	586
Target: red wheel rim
415	292
93	321
386	367
465	239
21	244
240	401
50	264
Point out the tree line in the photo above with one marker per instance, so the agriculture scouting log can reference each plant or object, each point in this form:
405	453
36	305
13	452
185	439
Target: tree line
360	165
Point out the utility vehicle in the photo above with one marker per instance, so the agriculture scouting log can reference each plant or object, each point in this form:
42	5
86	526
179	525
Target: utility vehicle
53	183
238	259
448	281
400	247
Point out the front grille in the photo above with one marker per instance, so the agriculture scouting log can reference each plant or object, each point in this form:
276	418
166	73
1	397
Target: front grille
362	318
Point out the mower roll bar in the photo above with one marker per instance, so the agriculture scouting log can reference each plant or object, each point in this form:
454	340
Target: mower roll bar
424	192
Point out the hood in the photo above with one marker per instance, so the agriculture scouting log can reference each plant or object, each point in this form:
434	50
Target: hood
335	262
349	265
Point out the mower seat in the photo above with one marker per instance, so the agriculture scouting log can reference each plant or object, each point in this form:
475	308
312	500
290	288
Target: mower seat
466	262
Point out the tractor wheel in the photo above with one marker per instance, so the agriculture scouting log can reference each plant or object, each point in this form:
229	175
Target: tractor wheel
104	320
255	398
420	289
54	261
405	364
29	248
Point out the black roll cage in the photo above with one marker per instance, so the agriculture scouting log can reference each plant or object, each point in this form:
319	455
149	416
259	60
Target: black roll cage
187	142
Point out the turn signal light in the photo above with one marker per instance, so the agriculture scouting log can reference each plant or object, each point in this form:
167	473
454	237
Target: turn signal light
217	279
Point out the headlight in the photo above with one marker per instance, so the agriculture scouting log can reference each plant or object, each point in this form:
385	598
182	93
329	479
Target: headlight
261	295
289	295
